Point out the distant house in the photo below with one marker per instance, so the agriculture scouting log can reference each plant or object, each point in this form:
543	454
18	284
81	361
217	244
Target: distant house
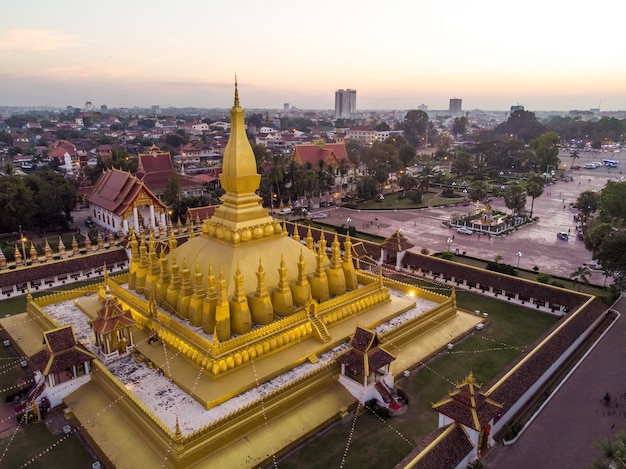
105	151
330	153
66	154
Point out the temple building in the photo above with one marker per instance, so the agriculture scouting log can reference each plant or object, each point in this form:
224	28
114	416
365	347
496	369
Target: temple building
244	322
155	170
119	201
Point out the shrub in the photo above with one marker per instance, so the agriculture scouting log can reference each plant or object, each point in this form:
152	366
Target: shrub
416	197
543	278
502	268
447	193
447	255
425	251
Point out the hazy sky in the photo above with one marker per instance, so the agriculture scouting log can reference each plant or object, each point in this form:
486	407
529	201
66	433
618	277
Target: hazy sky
546	55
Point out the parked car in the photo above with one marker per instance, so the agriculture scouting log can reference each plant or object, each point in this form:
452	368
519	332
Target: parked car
284	211
319	215
464	230
562	235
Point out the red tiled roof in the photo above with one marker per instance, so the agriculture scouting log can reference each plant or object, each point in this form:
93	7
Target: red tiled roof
112	317
206	178
329	153
154	161
59	151
116	191
61	352
397	242
155	169
365	356
468	406
201	213
51	269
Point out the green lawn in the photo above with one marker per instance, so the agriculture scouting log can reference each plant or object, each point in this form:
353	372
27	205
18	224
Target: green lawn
378	443
50	450
19	445
395	200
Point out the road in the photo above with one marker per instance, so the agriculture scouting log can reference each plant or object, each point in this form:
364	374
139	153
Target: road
576	417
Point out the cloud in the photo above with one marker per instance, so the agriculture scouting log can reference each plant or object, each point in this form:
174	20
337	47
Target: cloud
35	40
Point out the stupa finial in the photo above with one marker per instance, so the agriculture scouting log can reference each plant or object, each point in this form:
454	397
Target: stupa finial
236	92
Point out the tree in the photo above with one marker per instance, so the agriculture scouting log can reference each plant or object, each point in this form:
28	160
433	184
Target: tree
546	148
459	126
613	202
515	199
175	140
16	200
588	202
612	256
366	187
406	153
415	126
406	181
534	188
574	156
381	173
522	125
171	194
581	275
54	197
355	152
478	191
462	163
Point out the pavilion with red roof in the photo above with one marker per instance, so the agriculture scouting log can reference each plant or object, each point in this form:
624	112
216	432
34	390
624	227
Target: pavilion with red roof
118	197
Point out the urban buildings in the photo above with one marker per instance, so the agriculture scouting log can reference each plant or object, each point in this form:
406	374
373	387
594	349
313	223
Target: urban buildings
455	105
345	103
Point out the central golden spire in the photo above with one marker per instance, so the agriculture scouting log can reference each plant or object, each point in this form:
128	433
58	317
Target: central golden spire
242	207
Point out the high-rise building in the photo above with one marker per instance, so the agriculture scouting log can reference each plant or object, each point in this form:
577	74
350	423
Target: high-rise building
455	105
517	107
345	103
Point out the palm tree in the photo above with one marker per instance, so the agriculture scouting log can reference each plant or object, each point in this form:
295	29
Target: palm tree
276	173
613	452
581	276
534	188
574	156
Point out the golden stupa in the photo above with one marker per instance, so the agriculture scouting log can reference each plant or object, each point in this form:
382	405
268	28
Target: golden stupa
240	304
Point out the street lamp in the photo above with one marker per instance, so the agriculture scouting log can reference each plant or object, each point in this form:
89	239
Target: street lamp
449	241
23	240
348	220
519	256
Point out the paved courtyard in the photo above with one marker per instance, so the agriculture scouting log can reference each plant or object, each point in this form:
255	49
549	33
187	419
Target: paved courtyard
537	242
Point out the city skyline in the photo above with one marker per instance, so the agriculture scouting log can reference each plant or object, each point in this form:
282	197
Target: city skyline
545	56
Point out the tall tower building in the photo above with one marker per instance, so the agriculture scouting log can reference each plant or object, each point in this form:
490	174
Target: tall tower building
455	105
345	103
